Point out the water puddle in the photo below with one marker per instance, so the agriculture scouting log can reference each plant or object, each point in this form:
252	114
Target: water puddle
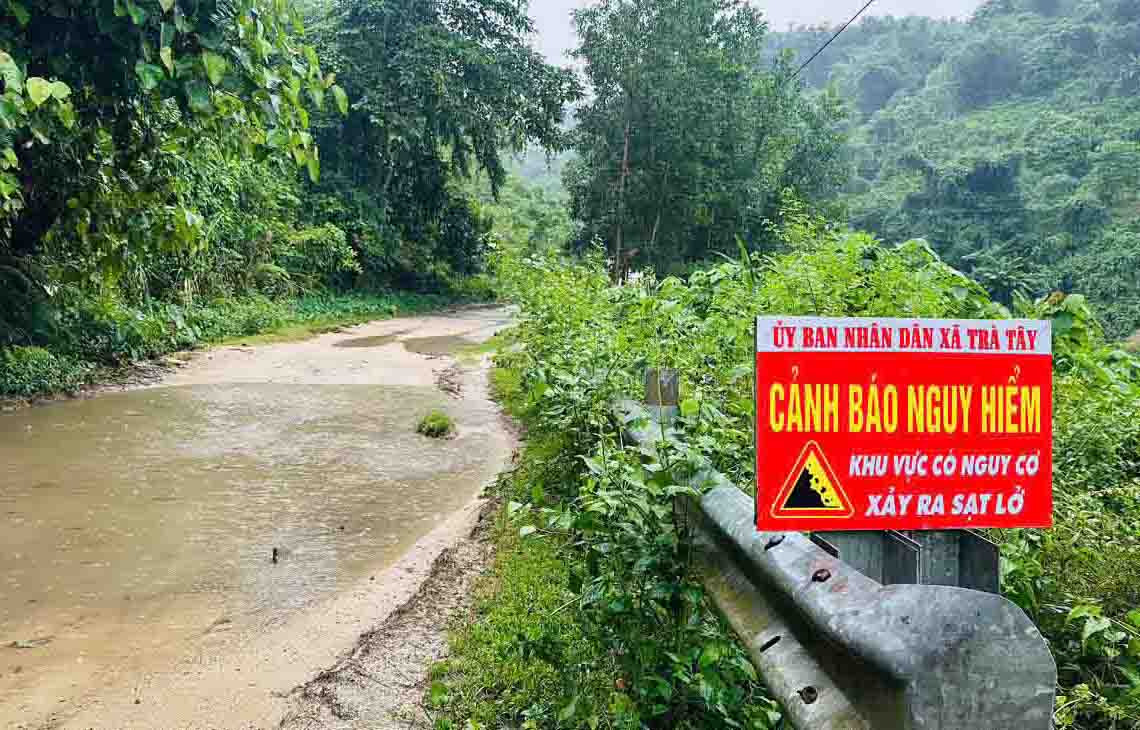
375	341
436	346
133	523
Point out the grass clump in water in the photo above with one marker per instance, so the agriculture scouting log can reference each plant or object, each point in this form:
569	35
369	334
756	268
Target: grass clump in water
436	425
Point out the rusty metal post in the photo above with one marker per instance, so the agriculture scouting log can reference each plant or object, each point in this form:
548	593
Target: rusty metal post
662	393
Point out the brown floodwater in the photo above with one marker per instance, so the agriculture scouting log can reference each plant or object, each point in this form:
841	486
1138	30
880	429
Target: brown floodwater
436	345
134	523
372	341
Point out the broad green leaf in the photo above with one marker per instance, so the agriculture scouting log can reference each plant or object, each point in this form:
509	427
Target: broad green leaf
215	67
1084	611
198	95
167	35
167	56
317	94
314	166
66	114
9	185
149	75
39	133
39	90
60	90
689	408
167	5
437	695
341	99
1094	626
138	15
10	72
528	530
293	90
593	465
10	114
569	711
278	138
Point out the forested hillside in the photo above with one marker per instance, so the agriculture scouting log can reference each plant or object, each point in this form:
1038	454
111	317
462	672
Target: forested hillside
174	172
1011	142
687	147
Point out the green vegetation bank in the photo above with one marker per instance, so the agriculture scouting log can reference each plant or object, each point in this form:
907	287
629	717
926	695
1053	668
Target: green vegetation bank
593	616
180	171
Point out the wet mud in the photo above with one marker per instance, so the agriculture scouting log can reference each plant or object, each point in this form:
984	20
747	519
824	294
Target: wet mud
137	529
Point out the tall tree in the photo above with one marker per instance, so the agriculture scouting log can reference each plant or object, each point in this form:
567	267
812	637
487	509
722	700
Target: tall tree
439	89
687	141
102	101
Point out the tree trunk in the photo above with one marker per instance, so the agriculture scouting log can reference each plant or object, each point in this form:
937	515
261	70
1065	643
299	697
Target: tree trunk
618	265
660	208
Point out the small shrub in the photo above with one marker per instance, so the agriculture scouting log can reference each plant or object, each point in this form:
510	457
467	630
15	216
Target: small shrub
436	425
26	371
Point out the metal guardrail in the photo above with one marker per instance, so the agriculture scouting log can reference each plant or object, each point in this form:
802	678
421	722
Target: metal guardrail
843	651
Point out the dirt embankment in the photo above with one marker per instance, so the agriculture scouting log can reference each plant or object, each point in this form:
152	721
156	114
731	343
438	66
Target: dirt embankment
381	683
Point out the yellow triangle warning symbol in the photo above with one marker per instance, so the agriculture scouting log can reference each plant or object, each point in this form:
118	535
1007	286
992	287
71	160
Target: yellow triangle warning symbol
812	489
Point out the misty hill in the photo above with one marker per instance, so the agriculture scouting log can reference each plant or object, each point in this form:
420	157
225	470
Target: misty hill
1010	141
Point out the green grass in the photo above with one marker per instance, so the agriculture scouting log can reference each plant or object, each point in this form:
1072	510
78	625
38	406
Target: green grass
513	659
436	425
469	354
316	315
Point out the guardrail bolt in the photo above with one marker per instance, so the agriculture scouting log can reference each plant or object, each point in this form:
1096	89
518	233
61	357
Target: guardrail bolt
820	576
809	695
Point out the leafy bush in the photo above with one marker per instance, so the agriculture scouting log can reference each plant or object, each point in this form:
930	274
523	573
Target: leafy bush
436	425
228	318
28	371
318	256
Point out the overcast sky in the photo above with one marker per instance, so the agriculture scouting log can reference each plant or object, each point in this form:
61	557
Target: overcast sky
556	36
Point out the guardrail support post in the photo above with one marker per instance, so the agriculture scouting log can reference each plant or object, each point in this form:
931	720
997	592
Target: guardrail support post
662	393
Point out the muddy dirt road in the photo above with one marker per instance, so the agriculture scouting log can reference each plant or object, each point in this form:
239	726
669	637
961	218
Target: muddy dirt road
137	528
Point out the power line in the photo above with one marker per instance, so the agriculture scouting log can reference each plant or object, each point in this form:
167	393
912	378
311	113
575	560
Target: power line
831	40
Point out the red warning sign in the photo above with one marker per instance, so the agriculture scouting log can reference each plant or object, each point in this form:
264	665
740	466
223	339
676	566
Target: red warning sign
812	489
903	424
